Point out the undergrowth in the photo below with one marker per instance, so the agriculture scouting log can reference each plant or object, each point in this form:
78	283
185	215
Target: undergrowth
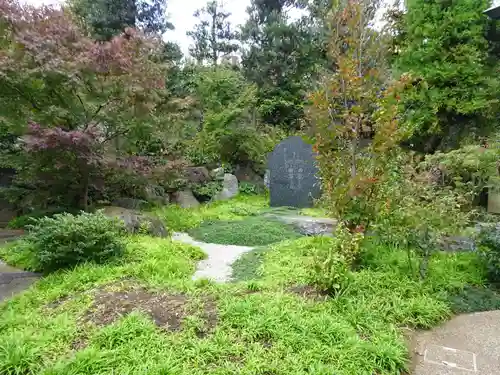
182	219
253	231
263	326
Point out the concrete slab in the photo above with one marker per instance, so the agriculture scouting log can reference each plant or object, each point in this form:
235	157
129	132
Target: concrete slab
467	344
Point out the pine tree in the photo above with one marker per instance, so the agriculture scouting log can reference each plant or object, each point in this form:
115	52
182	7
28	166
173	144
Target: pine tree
213	36
445	49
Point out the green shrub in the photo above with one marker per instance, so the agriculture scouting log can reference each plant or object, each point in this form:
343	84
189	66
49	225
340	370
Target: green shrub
66	240
248	188
205	192
332	265
489	247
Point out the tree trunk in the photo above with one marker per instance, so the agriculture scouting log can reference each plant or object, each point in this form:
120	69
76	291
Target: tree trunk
85	195
214	37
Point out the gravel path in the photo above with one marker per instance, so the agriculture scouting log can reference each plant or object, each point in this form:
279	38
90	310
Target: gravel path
217	266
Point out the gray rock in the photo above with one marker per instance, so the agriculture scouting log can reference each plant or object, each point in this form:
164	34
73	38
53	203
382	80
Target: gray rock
185	199
308	226
229	188
156	194
197	175
247	174
293	174
217	174
136	222
457	244
130	203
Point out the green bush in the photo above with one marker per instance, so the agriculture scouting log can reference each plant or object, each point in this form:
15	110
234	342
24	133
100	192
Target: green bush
66	240
332	265
248	188
489	247
205	192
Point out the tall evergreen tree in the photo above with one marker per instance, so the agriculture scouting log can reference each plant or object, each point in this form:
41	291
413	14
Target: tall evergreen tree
280	56
445	48
213	36
107	18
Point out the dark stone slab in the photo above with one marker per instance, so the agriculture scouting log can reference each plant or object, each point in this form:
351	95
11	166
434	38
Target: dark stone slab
293	177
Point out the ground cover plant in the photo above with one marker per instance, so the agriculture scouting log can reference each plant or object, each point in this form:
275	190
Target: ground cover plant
181	219
253	231
142	313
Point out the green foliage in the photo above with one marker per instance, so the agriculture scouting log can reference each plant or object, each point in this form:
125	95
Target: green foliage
254	231
409	209
205	192
108	18
280	58
182	219
248	266
229	130
267	315
65	240
248	188
22	222
489	247
331	270
474	299
469	169
445	47
213	36
348	113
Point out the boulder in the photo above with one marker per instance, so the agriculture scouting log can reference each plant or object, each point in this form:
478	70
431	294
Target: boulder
130	203
217	174
197	175
247	174
229	188
156	194
185	199
137	222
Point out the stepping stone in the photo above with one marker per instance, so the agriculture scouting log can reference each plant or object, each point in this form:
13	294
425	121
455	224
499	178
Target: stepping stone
217	266
467	344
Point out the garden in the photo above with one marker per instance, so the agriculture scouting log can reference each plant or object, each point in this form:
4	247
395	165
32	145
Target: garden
138	188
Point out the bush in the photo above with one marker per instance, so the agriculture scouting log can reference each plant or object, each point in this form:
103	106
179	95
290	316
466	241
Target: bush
332	265
205	192
66	240
248	188
489	247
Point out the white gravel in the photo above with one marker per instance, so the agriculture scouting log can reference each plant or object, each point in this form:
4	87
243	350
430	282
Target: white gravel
217	266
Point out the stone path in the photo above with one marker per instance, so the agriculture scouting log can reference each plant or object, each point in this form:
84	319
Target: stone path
13	280
217	266
468	344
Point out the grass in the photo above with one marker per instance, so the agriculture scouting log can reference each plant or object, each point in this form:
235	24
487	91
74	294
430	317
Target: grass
247	267
252	231
262	327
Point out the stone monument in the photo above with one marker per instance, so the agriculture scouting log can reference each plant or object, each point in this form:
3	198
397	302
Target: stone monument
293	180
